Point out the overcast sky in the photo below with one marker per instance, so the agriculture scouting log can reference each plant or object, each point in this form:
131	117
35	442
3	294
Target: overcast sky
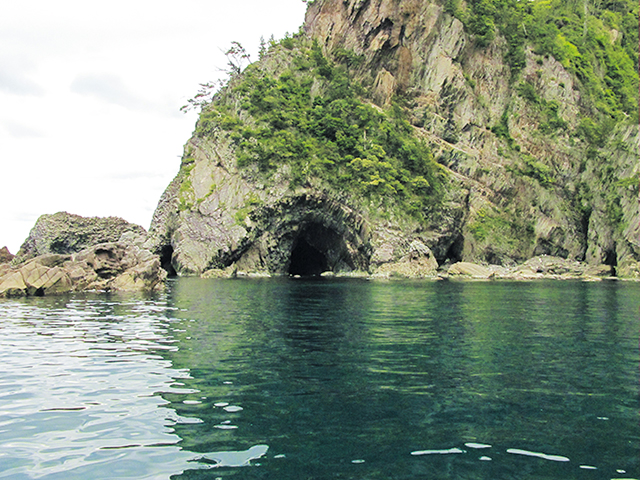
90	97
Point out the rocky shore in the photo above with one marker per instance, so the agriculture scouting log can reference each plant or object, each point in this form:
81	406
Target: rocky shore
67	253
126	265
537	268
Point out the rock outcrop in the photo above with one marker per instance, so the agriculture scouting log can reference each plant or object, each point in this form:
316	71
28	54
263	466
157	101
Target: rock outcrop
69	253
65	233
519	193
536	268
516	187
5	255
102	267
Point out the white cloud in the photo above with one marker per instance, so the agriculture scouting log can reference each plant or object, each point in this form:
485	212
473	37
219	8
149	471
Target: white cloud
16	73
91	92
18	130
18	83
109	88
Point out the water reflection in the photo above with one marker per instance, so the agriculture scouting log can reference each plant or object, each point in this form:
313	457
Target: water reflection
78	390
294	379
342	375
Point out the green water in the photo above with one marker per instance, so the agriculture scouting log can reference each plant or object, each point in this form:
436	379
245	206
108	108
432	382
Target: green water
324	379
346	379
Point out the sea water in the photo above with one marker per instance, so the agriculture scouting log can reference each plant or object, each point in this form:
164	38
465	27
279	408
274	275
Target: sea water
322	379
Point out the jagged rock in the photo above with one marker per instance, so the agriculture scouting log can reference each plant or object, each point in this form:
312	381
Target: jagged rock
107	266
65	233
5	255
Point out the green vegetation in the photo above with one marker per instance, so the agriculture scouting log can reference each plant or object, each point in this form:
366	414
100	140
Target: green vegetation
537	170
314	119
504	231
185	194
550	118
501	130
300	112
595	40
250	203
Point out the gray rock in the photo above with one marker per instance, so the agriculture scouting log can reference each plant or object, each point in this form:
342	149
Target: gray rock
470	270
65	233
506	200
103	267
5	255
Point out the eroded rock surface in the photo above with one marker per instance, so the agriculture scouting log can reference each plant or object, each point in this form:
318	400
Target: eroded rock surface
65	233
506	201
103	267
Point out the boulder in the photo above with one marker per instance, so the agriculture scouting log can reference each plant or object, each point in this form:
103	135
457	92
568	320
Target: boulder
12	285
470	270
415	260
39	278
105	267
548	266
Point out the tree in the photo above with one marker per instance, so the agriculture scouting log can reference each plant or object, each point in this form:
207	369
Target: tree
237	59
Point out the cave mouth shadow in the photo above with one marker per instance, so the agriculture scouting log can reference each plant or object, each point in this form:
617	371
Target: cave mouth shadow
166	257
316	249
306	260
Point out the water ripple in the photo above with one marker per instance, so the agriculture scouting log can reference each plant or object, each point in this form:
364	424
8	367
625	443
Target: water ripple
79	394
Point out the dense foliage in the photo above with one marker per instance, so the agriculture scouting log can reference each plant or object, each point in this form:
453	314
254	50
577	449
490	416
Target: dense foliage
302	113
597	40
312	117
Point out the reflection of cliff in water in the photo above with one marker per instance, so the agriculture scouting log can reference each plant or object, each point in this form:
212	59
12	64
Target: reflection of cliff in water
329	371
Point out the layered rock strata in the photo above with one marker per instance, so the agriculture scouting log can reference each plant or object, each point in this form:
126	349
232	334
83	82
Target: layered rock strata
509	197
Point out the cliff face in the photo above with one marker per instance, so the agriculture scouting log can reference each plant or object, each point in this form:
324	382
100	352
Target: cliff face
520	177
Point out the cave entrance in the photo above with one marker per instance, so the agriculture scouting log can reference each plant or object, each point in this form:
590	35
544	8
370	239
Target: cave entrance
611	259
317	248
307	260
166	255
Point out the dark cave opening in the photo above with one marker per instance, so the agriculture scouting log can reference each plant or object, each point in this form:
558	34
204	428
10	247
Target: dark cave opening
307	260
454	252
166	255
611	259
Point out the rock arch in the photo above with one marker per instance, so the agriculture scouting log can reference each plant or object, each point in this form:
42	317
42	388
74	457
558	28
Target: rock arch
307	235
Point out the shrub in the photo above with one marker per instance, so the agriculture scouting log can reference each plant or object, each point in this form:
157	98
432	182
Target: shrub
333	134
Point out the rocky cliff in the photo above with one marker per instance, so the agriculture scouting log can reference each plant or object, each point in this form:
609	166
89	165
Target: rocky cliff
391	137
